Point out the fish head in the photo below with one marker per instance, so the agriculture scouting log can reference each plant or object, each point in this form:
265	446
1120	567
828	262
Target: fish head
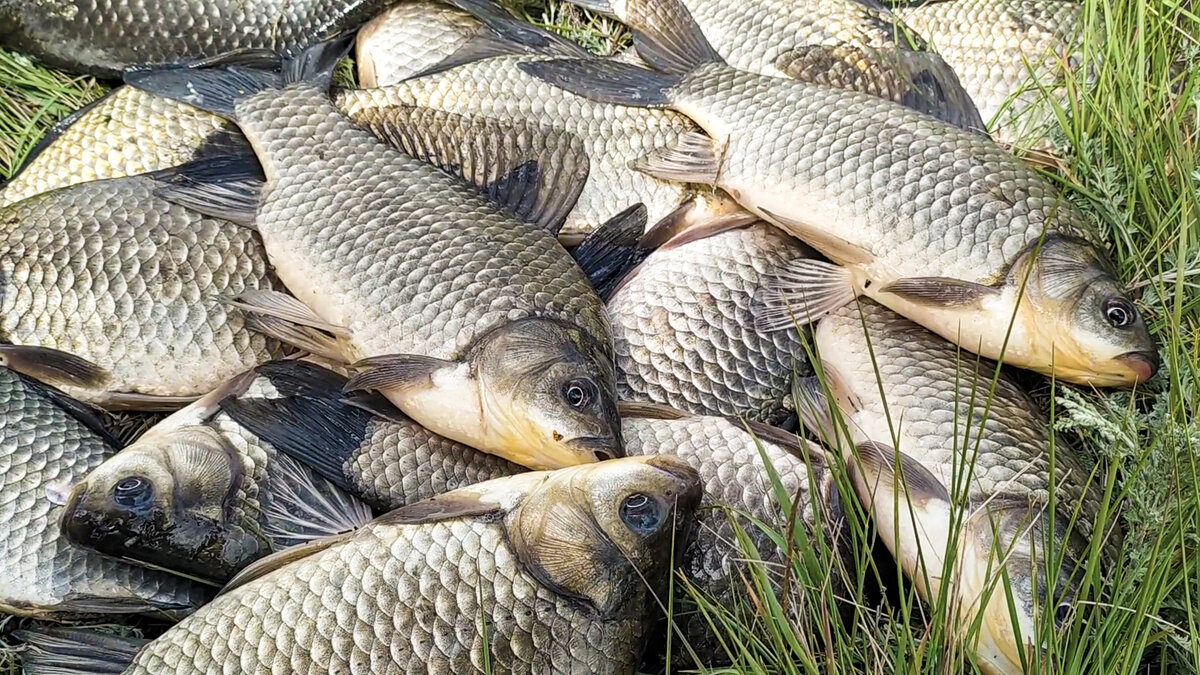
1087	325
1019	567
604	533
548	394
165	502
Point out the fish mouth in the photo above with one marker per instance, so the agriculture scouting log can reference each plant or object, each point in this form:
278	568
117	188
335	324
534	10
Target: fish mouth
1143	364
72	529
602	447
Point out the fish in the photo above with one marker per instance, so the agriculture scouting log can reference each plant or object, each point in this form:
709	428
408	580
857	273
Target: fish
117	296
1004	53
938	224
685	329
105	39
481	79
123	133
476	323
857	45
48	441
203	496
535	573
953	460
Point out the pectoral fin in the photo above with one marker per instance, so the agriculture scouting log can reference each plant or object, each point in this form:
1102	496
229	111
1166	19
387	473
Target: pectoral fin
800	292
834	247
397	371
283	317
53	367
940	291
305	506
693	158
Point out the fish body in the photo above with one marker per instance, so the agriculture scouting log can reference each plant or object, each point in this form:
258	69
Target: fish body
1002	52
48	442
201	495
685	330
847	44
477	325
112	273
105	37
541	572
982	458
938	224
410	38
123	133
496	88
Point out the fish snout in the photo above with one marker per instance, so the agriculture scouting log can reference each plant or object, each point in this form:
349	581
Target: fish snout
1143	364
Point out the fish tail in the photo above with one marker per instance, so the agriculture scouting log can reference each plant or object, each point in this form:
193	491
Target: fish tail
76	651
667	37
218	89
934	89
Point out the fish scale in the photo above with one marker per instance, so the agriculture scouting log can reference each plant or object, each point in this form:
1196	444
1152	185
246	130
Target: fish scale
401	232
44	446
112	273
685	333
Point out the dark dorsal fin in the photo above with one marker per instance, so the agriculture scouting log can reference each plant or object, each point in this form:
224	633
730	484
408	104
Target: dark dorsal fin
536	173
224	186
613	249
79	411
59	651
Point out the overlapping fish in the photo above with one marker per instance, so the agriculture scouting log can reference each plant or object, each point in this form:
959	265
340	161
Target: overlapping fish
938	224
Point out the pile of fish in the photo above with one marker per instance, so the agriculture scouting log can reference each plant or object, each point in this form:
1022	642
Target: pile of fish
465	366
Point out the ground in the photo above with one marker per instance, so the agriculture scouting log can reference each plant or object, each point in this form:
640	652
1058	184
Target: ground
1133	169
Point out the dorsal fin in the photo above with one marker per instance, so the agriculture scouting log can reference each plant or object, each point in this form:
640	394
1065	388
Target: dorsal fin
534	172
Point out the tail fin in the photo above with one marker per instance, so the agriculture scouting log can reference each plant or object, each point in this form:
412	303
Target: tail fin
217	90
76	651
667	36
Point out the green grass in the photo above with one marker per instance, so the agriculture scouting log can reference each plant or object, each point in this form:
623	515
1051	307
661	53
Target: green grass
1133	130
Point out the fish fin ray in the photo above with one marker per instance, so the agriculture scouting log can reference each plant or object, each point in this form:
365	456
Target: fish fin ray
879	463
534	172
697	219
667	37
226	187
304	505
650	411
932	87
514	35
614	248
396	371
450	505
940	291
131	400
317	62
76	651
801	292
606	81
813	407
264	566
832	246
53	367
284	307
692	158
216	91
377	405
308	339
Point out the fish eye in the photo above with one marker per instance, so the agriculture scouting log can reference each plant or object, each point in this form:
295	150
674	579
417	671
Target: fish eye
133	492
580	392
1062	614
1119	313
641	513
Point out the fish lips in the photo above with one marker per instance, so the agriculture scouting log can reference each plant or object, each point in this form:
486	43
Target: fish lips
1143	364
603	447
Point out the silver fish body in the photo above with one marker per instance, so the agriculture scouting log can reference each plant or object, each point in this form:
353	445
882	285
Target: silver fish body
202	495
112	273
925	423
476	324
104	37
48	442
684	325
477	580
410	38
1003	52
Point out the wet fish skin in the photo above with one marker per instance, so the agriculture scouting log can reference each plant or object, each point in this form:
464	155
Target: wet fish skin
478	326
993	46
201	495
47	443
939	224
112	273
847	44
963	448
104	37
123	133
685	331
561	594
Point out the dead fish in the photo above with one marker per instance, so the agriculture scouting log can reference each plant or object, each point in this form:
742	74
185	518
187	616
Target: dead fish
203	496
940	225
476	323
1005	52
535	573
856	45
951	466
685	328
481	80
48	441
113	293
